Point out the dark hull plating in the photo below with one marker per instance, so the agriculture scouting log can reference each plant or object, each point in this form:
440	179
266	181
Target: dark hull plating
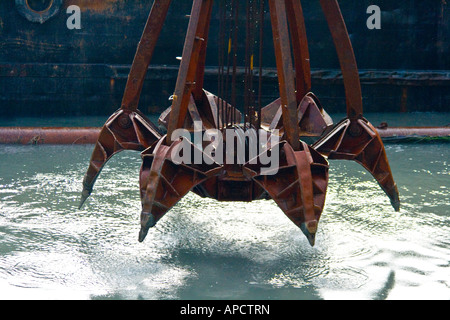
47	69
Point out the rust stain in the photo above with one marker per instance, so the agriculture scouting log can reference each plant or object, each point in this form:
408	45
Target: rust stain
112	83
404	101
96	6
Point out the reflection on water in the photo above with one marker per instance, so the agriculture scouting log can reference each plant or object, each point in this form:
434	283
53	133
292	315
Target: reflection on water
204	249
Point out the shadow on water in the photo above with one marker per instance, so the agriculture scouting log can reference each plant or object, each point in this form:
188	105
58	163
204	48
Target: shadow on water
235	278
224	278
383	294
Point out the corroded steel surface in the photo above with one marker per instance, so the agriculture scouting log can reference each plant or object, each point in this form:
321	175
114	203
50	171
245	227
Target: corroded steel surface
299	183
56	136
358	140
89	136
86	70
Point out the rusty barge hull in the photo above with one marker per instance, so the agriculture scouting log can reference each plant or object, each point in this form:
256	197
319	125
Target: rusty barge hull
47	69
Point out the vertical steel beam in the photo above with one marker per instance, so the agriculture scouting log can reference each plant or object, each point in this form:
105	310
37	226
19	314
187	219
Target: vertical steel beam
144	54
346	56
198	26
300	47
286	77
199	78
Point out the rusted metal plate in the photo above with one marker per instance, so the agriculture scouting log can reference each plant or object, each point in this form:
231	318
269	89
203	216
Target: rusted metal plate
358	140
285	69
299	181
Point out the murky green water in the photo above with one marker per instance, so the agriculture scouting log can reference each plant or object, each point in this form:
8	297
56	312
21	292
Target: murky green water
208	250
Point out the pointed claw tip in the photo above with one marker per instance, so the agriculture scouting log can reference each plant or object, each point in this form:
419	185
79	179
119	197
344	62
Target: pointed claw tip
142	235
148	221
82	202
84	196
396	206
395	202
310	229
395	198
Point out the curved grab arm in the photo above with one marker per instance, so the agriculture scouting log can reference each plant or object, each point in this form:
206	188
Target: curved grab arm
144	54
346	57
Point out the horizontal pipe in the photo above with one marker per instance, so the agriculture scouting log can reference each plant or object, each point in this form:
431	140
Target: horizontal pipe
55	136
431	132
80	136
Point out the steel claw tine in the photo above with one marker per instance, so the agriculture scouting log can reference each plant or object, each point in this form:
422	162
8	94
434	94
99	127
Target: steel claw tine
123	131
358	140
299	186
163	183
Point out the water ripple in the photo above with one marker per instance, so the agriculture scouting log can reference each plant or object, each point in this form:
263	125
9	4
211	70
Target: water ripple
204	249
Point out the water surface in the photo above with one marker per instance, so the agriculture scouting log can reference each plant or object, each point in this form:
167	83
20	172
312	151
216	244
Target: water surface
204	249
412	119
